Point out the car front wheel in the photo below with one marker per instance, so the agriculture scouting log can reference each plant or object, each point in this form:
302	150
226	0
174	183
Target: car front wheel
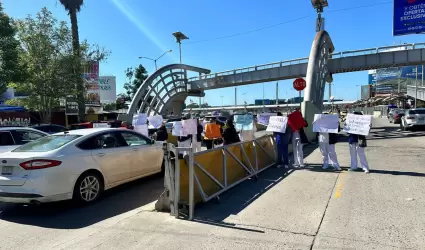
88	188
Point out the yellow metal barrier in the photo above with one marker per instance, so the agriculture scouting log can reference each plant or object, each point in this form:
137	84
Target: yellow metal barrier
217	170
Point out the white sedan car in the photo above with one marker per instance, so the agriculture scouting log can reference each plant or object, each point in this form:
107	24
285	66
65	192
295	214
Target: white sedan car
78	164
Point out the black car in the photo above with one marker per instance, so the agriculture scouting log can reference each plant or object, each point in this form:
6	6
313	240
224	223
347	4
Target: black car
50	128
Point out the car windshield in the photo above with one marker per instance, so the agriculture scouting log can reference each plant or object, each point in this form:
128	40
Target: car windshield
47	143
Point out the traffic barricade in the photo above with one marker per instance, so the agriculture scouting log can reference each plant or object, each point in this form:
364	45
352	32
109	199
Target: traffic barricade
219	169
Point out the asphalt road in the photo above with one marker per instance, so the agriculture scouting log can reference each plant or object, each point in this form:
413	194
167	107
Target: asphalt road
297	209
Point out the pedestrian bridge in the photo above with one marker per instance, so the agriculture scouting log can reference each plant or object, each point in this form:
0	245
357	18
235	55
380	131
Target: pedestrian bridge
341	62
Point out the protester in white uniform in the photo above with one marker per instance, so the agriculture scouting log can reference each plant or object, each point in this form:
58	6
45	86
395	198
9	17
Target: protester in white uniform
357	145
327	143
296	122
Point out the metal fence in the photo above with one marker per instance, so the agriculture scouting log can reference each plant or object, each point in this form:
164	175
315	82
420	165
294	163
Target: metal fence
239	162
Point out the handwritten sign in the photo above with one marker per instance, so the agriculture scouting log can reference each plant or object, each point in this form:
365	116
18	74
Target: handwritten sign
155	121
244	122
139	119
324	123
264	118
277	124
190	127
358	124
178	129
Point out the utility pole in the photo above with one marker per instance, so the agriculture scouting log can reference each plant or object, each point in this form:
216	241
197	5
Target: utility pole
236	97
277	93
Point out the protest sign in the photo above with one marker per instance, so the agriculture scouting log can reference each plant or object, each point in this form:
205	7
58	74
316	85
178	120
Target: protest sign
358	124
324	123
264	118
190	126
243	122
142	129
178	129
139	119
155	121
277	124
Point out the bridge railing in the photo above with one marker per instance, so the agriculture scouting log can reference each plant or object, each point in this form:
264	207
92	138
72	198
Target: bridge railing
344	54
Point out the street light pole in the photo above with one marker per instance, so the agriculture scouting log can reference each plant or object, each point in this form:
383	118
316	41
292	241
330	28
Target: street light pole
222	101
155	60
179	37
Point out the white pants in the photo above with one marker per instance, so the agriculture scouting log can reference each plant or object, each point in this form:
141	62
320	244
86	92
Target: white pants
196	145
297	149
354	151
328	154
184	144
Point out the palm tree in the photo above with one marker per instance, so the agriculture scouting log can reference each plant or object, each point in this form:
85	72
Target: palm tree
73	7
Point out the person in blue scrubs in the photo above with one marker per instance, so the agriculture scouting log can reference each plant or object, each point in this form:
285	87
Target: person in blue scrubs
282	141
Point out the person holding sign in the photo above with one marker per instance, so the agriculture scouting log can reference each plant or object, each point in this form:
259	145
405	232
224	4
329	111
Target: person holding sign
296	122
282	141
327	143
197	144
230	135
357	144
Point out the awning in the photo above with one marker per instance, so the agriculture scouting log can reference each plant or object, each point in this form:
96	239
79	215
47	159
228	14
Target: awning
5	108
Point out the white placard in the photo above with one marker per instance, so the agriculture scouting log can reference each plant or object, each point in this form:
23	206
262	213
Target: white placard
244	122
277	124
264	118
139	119
178	129
358	124
190	126
142	129
155	121
324	123
101	125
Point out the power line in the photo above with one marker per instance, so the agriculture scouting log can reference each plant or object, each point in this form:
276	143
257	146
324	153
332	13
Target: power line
286	22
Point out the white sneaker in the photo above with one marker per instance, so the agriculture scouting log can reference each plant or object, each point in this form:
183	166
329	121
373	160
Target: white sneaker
337	168
279	166
366	171
286	166
325	167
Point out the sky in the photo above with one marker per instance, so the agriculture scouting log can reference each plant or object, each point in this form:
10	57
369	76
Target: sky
133	28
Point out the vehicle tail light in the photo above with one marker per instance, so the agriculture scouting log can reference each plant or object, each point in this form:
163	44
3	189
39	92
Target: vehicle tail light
410	118
39	164
397	116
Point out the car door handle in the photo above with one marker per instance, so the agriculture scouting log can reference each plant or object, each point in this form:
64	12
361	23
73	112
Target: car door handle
100	154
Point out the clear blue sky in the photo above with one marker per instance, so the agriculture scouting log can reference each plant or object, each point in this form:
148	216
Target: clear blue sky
132	28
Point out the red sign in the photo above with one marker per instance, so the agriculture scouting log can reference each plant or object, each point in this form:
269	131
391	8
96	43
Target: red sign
300	84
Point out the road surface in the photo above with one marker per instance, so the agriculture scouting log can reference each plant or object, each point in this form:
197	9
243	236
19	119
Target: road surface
299	209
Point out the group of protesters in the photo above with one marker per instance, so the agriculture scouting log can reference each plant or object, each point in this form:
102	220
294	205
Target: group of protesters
295	132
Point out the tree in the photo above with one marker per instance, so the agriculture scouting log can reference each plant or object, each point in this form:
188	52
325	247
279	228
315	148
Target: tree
48	53
11	68
73	7
135	78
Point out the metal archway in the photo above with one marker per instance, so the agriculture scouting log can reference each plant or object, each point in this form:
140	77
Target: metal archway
166	89
317	75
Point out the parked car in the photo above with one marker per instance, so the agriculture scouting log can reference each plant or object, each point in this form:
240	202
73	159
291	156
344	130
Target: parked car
50	128
13	137
92	124
413	119
78	165
395	116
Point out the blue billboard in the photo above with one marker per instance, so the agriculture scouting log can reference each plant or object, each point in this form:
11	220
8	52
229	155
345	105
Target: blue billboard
396	79
409	17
